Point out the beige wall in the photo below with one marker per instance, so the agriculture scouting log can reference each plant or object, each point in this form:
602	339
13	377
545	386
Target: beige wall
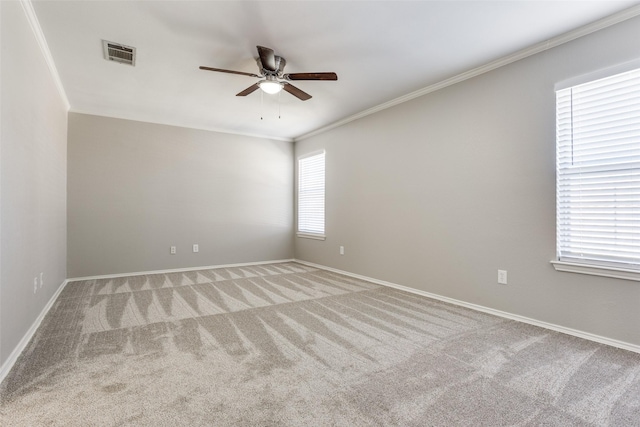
135	189
33	169
440	192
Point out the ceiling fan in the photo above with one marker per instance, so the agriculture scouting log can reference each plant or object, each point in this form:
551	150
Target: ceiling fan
271	68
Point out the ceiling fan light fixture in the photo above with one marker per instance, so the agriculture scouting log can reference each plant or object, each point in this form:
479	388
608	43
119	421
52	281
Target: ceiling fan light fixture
271	69
271	87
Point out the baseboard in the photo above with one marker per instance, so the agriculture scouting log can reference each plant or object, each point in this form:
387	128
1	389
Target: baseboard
178	270
13	357
569	331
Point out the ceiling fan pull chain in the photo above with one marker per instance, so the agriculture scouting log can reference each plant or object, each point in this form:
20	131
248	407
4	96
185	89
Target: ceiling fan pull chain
279	105
261	103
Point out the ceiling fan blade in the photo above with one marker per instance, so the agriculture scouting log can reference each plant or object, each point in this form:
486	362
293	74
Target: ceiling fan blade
229	71
311	76
267	57
249	90
300	94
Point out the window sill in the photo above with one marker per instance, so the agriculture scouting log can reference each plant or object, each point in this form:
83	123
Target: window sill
311	236
616	273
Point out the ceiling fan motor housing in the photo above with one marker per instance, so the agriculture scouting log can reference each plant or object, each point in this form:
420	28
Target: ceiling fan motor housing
271	67
280	63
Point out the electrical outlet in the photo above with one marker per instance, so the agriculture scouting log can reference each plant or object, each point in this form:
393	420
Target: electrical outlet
173	250
196	248
502	277
35	284
341	250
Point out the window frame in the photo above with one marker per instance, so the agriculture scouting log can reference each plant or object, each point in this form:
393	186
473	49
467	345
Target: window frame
590	267
306	234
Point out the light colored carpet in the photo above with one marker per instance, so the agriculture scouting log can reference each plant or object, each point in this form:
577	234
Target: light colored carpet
289	345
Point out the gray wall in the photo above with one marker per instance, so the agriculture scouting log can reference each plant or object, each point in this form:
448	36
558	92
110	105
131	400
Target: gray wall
33	168
440	192
137	188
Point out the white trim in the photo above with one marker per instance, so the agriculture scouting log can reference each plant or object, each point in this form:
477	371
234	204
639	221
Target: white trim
17	351
516	56
598	74
312	153
1	367
178	270
569	331
311	236
27	6
593	270
178	125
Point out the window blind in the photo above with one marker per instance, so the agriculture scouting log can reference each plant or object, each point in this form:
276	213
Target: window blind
598	172
311	194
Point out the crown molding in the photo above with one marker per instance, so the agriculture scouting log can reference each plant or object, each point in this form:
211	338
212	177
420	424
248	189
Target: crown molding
516	56
178	125
27	6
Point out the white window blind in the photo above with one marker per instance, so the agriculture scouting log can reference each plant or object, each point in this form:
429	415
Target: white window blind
598	172
311	194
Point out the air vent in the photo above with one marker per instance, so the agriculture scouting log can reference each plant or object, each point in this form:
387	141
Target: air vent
119	53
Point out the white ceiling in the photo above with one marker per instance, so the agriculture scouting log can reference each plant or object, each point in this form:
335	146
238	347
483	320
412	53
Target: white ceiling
380	51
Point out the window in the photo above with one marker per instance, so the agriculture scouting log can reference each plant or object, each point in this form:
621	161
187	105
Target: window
598	175
311	196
